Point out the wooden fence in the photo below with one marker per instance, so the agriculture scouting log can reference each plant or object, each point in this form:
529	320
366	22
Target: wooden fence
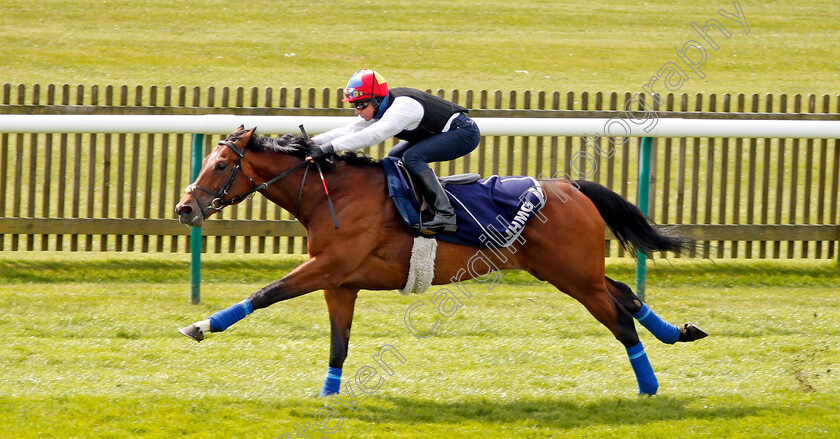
749	198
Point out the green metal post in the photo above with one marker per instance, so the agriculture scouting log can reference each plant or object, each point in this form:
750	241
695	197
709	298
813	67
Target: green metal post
195	232
644	192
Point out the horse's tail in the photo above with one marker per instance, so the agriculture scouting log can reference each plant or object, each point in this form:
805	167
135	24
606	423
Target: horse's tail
629	225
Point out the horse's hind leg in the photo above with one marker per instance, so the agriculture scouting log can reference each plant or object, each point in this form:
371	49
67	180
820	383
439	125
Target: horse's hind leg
607	310
662	330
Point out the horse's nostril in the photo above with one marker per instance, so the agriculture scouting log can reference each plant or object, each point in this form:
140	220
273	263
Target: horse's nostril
184	210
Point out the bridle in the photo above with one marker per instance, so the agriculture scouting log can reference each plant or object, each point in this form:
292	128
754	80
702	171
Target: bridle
219	202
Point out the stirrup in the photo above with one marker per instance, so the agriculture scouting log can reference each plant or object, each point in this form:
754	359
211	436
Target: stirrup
437	228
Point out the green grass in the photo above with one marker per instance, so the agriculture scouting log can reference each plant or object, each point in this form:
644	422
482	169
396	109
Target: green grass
484	44
90	349
88	342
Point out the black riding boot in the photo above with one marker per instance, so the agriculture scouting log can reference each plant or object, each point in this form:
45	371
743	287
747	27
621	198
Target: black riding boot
444	214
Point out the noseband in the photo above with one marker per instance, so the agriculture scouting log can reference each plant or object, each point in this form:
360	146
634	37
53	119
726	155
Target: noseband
219	202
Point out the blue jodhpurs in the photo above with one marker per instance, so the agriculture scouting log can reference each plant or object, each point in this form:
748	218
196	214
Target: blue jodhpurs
461	139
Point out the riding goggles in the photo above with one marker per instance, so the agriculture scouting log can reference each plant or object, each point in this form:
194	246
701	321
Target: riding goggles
361	105
352	94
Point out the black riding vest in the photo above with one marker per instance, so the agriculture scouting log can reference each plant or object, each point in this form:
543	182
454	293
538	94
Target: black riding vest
436	112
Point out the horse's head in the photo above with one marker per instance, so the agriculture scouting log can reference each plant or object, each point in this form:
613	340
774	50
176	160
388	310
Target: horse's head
227	174
221	181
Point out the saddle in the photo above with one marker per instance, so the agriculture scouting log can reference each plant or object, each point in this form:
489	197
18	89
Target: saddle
490	211
444	181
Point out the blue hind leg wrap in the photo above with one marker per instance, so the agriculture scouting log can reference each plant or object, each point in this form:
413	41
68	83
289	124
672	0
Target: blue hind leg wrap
332	382
226	317
644	372
664	331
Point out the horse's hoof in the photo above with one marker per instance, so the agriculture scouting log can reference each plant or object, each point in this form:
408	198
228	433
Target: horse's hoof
689	332
192	332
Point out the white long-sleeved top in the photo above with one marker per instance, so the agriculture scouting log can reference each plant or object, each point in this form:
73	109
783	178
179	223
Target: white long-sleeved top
404	113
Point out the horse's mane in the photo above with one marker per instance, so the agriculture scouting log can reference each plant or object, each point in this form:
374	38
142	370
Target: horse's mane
298	146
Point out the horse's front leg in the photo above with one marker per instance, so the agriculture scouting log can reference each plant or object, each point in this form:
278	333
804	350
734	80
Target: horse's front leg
340	303
315	274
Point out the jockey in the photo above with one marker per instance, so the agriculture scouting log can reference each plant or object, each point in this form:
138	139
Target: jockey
432	129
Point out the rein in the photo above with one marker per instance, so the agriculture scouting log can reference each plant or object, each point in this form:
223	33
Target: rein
218	202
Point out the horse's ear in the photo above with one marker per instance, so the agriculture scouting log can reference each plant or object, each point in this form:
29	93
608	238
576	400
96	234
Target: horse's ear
240	128
248	134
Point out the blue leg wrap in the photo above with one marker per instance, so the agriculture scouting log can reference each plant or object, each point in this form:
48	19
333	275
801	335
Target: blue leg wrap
332	383
641	367
664	331
226	317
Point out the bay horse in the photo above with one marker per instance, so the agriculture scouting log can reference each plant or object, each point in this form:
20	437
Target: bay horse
566	249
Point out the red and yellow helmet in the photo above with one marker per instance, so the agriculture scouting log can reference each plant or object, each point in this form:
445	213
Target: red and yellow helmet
365	84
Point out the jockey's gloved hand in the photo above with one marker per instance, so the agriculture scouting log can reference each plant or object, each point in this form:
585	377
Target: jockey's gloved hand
320	151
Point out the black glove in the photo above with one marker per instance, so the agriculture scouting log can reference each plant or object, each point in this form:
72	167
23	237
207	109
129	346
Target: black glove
320	151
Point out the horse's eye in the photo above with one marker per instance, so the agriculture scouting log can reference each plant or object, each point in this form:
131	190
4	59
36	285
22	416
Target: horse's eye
221	166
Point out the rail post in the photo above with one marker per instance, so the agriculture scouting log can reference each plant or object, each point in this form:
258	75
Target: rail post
195	232
644	193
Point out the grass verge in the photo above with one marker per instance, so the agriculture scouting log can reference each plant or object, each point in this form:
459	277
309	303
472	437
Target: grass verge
94	356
